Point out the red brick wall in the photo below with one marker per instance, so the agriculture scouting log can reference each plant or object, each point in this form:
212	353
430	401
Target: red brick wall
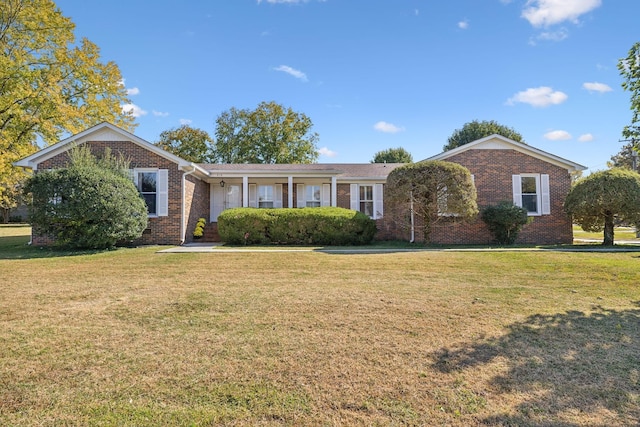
492	170
161	230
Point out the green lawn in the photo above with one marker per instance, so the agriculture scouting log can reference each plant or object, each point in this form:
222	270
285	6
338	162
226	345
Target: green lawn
131	337
619	233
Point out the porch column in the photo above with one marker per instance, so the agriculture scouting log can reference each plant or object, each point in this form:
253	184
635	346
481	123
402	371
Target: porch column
290	191
334	191
245	191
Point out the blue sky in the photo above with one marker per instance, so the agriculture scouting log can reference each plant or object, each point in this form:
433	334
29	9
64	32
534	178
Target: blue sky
377	74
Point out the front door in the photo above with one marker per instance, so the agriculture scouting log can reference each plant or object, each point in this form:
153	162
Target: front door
227	197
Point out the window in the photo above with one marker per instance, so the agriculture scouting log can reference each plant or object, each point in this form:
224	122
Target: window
529	186
366	200
313	194
153	187
265	196
531	191
148	188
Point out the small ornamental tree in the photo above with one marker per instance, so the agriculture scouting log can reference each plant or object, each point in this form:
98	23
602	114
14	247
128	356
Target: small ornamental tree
435	190
90	204
505	220
597	201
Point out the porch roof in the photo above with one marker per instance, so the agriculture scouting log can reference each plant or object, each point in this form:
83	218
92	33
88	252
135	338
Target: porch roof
351	171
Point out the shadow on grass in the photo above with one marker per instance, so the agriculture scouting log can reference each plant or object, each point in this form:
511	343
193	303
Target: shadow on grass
17	247
569	367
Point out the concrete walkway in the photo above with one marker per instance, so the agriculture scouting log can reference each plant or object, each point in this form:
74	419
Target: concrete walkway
219	248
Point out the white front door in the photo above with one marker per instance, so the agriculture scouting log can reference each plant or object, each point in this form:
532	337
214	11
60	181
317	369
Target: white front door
227	197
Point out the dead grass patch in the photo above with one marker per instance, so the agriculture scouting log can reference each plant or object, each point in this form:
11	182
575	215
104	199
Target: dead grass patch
131	337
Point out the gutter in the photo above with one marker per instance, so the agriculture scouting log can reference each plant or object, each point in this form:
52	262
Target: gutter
183	226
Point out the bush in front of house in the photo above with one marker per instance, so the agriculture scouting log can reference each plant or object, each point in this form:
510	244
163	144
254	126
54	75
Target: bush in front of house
86	205
505	220
306	226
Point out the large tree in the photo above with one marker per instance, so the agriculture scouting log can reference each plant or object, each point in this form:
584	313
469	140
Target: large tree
269	134
597	201
393	155
189	143
629	68
475	130
49	84
434	189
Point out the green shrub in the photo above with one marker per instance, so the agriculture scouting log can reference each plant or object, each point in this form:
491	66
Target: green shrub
307	226
86	207
505	220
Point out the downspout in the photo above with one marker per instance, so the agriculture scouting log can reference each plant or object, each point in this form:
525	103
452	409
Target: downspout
413	228
183	226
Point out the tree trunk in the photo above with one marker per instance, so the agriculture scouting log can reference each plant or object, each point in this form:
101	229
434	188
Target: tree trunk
608	229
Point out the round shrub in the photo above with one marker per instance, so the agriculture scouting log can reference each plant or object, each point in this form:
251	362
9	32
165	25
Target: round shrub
86	207
505	220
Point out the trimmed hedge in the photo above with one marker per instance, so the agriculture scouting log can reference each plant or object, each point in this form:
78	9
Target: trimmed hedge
291	226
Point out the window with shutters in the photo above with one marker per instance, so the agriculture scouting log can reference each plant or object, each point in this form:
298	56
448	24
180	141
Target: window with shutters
313	196
531	191
153	187
366	200
265	196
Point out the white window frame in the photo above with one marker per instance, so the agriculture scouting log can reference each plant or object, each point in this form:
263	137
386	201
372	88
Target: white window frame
310	192
162	180
378	203
542	193
255	194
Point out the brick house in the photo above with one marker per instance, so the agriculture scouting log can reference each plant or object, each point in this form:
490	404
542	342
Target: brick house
179	192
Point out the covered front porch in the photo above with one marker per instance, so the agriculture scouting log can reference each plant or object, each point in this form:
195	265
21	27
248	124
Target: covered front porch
264	189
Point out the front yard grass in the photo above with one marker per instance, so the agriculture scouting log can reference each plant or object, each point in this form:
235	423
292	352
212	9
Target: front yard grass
132	337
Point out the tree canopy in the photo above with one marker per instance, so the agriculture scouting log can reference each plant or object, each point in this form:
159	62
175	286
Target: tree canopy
194	145
629	68
475	130
393	155
49	85
435	189
598	200
269	134
92	203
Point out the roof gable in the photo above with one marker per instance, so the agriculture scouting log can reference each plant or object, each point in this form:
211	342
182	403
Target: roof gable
101	132
499	142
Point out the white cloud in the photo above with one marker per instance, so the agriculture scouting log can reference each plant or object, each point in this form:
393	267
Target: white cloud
553	36
597	87
324	151
543	13
463	25
387	127
558	135
159	113
542	96
133	91
293	72
185	121
134	110
586	137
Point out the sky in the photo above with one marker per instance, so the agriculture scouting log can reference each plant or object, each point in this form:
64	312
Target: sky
377	74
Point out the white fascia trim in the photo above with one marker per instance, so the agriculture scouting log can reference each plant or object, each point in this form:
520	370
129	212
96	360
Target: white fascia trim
518	146
79	138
